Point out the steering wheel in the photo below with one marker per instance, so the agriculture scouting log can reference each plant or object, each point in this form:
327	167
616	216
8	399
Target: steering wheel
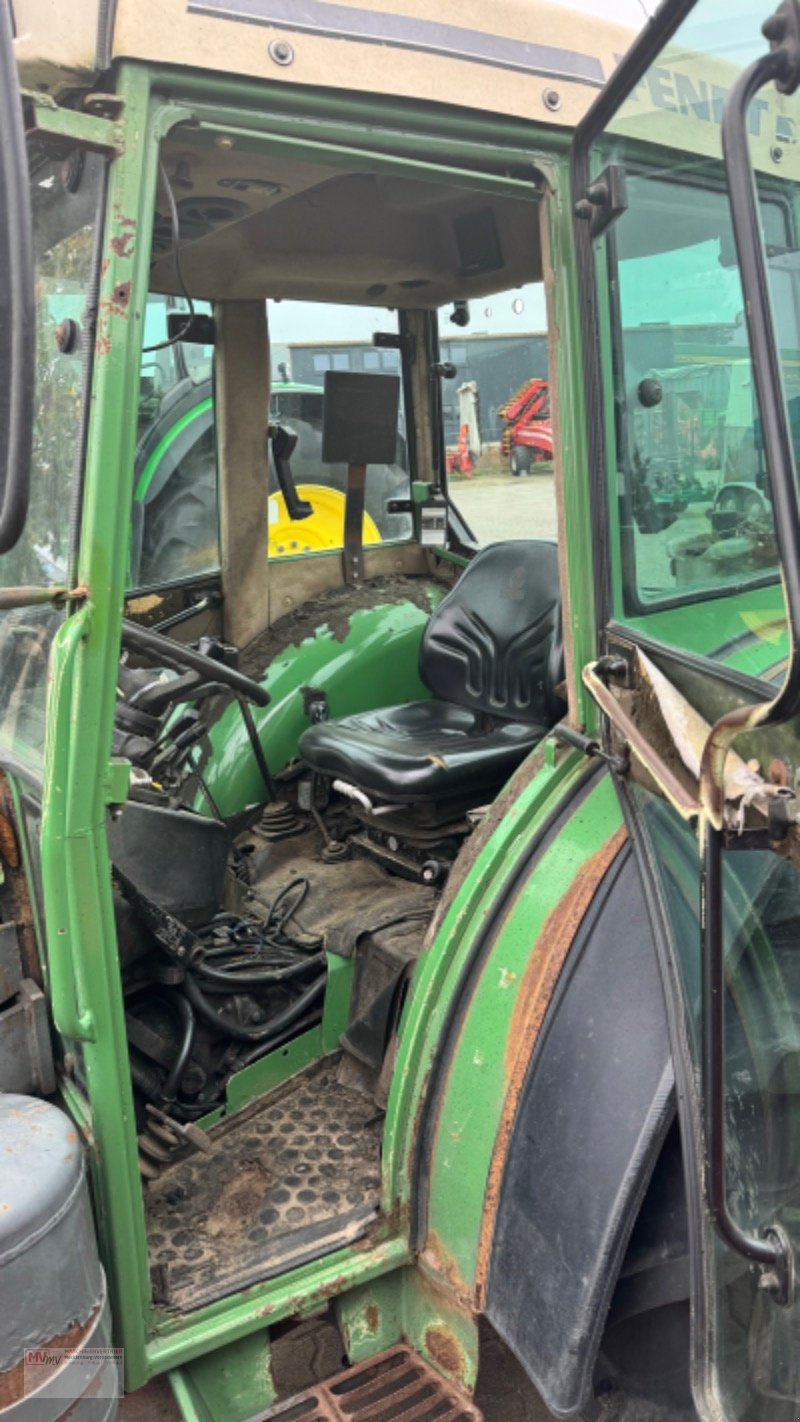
166	652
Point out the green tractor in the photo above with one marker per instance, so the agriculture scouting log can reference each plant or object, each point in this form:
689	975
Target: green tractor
399	968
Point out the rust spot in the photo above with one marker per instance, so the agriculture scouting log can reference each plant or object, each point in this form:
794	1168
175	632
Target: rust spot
117	303
72	1135
439	1261
444	1350
536	988
373	1318
103	346
778	772
16	902
9	847
123	245
12	1381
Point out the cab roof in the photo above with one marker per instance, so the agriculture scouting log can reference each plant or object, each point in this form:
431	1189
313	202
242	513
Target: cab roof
521	58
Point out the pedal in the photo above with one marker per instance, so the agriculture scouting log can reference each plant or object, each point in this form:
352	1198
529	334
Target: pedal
395	1384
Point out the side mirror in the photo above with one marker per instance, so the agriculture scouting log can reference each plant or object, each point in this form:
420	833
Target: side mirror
17	306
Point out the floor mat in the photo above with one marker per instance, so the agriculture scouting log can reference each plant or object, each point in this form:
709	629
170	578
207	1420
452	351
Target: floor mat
291	1178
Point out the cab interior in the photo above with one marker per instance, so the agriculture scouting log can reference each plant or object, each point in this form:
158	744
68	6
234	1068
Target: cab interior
316	740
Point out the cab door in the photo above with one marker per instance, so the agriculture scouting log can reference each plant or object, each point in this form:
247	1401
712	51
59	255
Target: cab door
687	195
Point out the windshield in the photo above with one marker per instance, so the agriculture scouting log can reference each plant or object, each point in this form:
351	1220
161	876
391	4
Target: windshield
65	199
498	427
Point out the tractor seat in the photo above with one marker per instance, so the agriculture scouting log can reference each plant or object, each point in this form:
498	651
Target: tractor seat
492	657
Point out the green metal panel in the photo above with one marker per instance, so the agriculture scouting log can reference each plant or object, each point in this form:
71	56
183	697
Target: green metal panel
409	1306
231	1384
370	662
476	1086
439	968
75	869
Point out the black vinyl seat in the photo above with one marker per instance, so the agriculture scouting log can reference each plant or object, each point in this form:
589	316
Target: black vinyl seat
492	657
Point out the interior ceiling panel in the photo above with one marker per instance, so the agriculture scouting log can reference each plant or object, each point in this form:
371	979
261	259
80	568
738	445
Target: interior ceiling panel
253	224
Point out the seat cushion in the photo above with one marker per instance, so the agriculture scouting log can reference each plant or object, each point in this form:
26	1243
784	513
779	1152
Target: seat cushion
420	750
494	643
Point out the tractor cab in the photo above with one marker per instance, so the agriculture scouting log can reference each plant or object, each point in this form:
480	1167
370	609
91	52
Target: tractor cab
392	930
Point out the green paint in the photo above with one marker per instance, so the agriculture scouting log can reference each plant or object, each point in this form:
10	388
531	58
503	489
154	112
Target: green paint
146	476
748	626
79	916
374	663
439	968
178	1340
474	1097
230	1384
408	1307
219	1354
267	1073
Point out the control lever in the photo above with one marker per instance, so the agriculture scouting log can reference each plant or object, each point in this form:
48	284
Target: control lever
284	441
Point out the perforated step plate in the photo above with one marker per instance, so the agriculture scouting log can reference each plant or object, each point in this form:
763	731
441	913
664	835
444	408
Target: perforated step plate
396	1386
292	1177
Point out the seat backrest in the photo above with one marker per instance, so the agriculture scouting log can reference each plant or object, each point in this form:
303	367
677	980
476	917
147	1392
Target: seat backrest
494	643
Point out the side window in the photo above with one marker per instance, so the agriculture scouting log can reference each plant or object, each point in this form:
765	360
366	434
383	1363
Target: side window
496	409
306	340
174	524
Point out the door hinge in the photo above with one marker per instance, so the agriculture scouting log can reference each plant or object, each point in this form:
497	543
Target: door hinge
604	201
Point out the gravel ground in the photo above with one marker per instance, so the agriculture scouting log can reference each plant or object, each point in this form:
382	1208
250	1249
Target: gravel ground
499	506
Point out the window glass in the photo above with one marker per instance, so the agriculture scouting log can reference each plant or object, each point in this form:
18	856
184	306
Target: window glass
496	412
756	1345
307	339
65	196
696	562
175	523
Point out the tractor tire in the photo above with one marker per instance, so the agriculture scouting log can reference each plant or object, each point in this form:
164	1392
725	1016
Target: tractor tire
181	530
521	460
642	1369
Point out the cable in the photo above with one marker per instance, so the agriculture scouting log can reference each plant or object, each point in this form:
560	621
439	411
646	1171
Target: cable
176	238
266	1030
184	1010
231	978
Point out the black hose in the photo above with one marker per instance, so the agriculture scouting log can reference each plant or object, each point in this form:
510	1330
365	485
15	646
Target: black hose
276	1024
296	1028
184	1010
261	977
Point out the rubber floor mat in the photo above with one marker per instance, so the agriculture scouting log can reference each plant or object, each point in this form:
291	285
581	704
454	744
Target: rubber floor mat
289	1179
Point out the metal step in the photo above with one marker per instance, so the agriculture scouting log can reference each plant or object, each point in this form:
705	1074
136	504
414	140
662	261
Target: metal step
395	1386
